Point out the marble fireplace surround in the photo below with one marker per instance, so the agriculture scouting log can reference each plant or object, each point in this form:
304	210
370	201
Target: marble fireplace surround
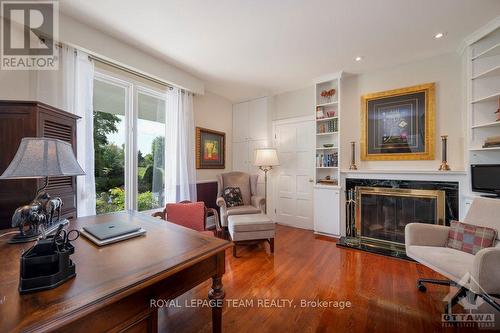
418	179
453	183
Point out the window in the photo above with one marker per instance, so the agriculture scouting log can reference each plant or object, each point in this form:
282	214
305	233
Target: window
129	121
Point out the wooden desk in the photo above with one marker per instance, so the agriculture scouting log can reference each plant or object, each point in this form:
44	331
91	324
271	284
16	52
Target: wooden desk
115	283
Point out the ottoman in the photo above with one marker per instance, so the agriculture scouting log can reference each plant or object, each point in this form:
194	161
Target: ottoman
251	228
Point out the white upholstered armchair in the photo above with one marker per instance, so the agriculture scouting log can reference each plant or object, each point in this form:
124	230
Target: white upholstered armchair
475	275
252	204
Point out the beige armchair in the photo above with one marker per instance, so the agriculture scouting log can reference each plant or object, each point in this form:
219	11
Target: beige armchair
252	204
474	275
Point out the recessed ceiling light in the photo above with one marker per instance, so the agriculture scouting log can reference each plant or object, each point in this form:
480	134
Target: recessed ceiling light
358	58
439	35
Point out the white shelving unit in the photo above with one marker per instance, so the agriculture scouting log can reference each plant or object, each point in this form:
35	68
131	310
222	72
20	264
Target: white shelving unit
327	112
328	131
483	77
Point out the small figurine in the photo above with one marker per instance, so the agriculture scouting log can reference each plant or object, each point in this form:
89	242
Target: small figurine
52	206
28	215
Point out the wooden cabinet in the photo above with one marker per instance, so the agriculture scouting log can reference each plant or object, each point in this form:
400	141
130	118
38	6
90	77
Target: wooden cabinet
19	119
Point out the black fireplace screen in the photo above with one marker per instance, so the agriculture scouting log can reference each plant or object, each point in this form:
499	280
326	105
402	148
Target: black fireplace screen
384	217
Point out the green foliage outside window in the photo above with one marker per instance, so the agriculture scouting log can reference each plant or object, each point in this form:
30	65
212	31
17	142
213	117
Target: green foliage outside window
109	168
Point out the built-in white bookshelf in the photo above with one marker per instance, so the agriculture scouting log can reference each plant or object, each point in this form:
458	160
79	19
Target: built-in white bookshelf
327	115
327	190
483	76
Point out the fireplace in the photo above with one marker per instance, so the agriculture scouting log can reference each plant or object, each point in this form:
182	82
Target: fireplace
377	211
382	213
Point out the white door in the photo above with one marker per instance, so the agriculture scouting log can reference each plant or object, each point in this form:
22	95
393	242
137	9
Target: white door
294	184
240	122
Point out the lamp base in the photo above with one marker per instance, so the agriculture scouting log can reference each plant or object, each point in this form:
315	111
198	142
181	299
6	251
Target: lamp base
32	237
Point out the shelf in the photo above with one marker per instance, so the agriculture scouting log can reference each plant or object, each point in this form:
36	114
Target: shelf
327	104
489	73
487	98
484	149
333	187
325	119
327	133
492	51
326	148
327	167
493	124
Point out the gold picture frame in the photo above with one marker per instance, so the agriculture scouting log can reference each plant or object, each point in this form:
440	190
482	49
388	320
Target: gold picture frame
418	144
210	149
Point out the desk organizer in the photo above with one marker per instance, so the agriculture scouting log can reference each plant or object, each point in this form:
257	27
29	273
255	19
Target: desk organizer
45	266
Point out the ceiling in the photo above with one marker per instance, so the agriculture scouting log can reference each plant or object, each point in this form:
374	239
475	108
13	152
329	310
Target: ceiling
243	49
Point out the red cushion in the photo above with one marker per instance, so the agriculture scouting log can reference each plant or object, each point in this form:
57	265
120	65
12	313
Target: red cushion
470	238
190	215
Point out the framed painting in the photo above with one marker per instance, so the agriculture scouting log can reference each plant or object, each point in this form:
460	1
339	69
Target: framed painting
210	149
398	124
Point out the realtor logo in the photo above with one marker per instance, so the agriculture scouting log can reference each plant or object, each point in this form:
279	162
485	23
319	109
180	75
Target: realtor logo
29	32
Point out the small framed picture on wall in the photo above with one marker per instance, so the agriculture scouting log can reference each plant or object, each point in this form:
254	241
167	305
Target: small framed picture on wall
210	149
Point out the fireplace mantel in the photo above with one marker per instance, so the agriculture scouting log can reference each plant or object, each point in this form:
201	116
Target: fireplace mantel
415	174
404	172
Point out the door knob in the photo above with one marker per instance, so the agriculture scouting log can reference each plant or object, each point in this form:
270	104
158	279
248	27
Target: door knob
310	180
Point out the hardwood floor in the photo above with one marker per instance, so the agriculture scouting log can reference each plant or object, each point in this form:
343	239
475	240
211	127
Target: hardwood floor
382	291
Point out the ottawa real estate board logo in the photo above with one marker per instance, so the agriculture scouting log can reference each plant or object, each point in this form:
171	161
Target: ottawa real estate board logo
29	32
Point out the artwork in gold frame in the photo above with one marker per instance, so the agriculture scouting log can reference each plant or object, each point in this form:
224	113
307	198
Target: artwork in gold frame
398	124
210	149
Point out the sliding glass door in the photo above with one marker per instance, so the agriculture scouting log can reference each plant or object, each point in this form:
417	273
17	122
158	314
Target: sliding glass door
129	138
150	150
110	138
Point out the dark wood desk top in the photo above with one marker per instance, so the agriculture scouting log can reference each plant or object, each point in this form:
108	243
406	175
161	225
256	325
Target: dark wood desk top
104	274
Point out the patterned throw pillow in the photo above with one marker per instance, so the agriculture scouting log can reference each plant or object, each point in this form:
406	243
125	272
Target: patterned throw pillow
470	238
232	196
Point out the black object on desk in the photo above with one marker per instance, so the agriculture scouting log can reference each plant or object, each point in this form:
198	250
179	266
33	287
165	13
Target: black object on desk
47	265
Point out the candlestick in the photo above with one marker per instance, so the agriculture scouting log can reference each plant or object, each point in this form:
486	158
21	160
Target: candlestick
353	156
444	154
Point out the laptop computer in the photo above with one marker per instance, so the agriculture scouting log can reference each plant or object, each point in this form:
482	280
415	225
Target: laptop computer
110	232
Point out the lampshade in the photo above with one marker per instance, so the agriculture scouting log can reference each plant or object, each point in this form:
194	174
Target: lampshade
42	157
266	157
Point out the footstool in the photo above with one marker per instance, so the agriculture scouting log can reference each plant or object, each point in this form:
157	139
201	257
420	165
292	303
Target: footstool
251	228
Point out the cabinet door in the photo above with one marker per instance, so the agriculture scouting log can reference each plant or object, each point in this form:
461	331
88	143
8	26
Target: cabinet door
257	119
252	145
240	122
326	211
240	156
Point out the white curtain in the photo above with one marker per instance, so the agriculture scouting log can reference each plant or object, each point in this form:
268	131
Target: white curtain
179	147
70	88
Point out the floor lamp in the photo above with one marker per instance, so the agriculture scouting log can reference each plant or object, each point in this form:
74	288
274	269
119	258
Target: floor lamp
265	159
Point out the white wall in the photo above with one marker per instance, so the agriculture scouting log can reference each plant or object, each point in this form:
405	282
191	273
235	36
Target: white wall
85	37
294	103
216	113
444	70
19	84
